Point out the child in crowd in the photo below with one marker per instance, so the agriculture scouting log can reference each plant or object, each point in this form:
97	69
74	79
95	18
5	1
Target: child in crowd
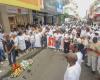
10	49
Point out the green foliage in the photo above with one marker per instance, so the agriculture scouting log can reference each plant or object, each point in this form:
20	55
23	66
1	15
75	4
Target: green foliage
63	16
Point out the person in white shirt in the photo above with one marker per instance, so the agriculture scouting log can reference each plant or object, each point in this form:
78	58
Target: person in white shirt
92	56
2	55
32	40
21	42
27	39
38	36
83	32
57	36
79	54
73	69
75	49
97	46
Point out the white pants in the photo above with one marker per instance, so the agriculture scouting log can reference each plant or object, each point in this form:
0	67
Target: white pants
92	61
98	65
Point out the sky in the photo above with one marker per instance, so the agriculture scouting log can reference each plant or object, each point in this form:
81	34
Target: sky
83	5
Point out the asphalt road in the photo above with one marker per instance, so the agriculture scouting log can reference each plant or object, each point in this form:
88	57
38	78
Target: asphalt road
50	65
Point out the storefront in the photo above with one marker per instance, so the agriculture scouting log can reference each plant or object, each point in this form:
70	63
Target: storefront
18	16
18	12
53	8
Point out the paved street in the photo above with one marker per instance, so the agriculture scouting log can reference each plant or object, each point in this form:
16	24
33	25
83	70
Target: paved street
50	65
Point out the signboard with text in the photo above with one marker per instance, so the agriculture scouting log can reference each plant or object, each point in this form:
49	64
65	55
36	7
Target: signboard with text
55	6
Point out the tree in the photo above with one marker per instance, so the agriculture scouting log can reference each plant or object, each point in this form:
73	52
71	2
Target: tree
63	16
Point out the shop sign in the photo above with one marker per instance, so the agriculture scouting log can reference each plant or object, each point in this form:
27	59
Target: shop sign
17	10
30	4
11	10
50	5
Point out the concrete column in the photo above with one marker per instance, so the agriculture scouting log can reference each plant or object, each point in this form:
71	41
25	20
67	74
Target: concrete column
42	19
30	16
4	18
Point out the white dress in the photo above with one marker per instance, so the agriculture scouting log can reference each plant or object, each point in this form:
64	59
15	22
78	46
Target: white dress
38	40
73	72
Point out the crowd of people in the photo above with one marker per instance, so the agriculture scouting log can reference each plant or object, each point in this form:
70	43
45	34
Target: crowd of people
83	44
82	39
19	40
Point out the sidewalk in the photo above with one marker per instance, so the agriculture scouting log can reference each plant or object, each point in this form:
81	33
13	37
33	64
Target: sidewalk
5	66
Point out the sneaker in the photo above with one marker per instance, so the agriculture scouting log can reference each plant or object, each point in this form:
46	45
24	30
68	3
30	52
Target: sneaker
0	71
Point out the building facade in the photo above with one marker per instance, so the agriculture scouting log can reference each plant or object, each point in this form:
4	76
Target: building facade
94	12
18	12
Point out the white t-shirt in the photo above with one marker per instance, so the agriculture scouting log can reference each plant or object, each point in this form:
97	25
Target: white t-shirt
83	33
71	36
57	36
79	40
38	39
66	37
88	34
79	56
32	38
1	37
86	42
1	45
13	33
73	72
26	37
21	43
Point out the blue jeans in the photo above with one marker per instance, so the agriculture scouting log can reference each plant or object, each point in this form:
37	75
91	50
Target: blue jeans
28	44
2	56
82	49
12	57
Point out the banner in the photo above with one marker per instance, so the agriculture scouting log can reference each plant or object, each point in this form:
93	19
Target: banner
30	4
51	42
